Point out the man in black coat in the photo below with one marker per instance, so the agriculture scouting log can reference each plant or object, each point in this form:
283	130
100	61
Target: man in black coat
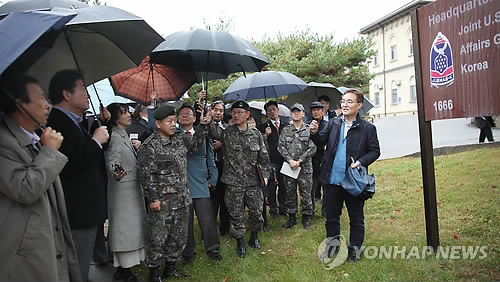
84	176
271	130
351	141
317	111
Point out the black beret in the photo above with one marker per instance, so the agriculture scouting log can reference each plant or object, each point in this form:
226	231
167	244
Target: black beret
163	112
240	104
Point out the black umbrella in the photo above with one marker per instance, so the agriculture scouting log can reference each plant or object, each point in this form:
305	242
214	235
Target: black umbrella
211	54
39	5
100	41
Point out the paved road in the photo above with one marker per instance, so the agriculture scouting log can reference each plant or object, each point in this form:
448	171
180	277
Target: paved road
399	136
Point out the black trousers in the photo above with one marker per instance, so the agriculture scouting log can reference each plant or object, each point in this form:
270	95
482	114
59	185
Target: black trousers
208	227
335	196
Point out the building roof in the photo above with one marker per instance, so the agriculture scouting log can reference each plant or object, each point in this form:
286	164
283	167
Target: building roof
394	15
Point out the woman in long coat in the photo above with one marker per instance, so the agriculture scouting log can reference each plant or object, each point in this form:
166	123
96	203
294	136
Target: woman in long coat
126	210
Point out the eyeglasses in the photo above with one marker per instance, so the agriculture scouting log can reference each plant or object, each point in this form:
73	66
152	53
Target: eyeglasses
234	113
348	102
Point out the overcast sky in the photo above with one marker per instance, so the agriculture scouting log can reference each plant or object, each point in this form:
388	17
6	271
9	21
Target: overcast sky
253	19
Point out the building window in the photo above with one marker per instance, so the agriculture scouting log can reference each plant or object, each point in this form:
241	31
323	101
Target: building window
375	59
377	99
394	96
413	93
393	53
411	47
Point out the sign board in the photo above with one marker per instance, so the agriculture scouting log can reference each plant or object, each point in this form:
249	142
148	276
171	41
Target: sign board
459	43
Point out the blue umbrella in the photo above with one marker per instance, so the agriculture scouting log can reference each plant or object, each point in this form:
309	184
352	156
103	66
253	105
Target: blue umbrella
20	30
263	85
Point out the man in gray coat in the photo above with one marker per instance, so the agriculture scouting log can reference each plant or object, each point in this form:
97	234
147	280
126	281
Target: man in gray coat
36	240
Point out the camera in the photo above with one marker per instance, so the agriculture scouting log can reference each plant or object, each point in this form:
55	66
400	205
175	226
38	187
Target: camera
118	168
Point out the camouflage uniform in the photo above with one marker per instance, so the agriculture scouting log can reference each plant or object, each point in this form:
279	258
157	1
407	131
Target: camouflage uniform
162	170
295	144
242	149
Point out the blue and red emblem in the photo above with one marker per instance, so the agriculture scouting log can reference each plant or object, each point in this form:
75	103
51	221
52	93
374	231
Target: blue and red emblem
441	65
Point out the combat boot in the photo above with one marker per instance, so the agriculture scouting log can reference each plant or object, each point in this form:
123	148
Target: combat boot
171	271
305	221
291	221
154	274
254	240
241	249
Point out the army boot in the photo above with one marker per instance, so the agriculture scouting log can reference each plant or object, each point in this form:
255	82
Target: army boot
291	221
171	271
154	274
241	249
254	240
305	221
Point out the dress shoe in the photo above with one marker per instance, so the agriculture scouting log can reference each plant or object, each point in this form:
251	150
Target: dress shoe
291	221
188	260
283	213
241	250
305	221
352	256
125	274
171	271
265	228
254	240
215	255
154	274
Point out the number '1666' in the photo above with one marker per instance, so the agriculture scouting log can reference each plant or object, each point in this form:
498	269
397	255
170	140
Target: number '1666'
443	105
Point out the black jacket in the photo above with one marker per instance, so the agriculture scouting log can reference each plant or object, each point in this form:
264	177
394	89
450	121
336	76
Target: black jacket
362	144
84	177
273	139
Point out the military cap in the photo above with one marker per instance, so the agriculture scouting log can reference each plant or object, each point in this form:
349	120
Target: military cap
240	104
297	106
163	112
316	104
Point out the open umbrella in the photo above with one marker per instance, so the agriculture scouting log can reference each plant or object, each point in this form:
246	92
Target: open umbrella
139	83
100	41
39	5
19	31
263	85
213	54
315	90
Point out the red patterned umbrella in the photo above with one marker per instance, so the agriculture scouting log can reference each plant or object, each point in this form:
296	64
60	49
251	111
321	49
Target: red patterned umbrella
148	81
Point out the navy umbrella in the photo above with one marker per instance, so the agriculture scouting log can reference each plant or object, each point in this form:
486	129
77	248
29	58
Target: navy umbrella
264	85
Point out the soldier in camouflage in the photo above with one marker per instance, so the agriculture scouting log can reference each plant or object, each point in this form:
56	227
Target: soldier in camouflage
162	173
296	147
243	147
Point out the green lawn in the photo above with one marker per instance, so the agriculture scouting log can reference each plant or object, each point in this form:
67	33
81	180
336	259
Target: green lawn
467	187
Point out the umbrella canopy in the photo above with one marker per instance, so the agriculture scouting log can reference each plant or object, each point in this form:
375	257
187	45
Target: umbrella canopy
39	5
139	83
20	30
263	85
213	54
100	41
259	105
311	94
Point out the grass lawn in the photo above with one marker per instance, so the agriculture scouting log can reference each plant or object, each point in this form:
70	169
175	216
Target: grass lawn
467	187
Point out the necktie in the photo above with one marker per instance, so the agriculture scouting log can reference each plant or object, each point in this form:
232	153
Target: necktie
188	132
277	126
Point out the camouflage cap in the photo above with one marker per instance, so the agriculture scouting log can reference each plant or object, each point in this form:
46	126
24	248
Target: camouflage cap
316	104
240	104
163	112
297	106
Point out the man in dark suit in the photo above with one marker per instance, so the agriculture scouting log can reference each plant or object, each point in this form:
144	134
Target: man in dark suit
329	114
317	112
36	241
140	125
84	176
271	130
